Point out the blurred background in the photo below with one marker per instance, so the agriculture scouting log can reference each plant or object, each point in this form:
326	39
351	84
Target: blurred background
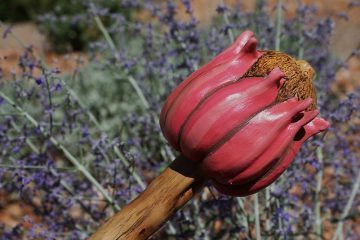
69	35
95	75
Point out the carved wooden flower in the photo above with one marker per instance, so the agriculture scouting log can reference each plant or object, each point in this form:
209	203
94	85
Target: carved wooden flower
243	116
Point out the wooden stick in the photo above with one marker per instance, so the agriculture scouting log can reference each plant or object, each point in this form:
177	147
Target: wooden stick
167	193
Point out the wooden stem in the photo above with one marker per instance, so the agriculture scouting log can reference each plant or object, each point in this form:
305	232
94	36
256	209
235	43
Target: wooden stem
167	193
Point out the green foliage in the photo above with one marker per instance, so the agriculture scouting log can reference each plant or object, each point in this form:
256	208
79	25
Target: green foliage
66	23
24	10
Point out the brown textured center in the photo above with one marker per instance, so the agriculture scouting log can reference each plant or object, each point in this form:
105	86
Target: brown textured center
298	73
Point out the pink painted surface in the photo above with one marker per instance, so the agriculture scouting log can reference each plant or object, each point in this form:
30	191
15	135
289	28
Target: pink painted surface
315	126
274	152
252	140
232	124
226	109
225	68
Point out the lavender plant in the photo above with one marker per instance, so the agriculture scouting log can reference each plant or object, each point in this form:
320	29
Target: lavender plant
78	146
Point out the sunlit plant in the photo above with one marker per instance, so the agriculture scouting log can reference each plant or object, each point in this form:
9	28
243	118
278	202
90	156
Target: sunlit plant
76	147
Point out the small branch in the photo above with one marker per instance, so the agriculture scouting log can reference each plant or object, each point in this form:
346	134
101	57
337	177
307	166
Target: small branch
242	216
319	176
112	46
279	21
267	206
82	105
344	214
34	167
106	34
257	217
301	46
226	19
50	101
127	164
139	92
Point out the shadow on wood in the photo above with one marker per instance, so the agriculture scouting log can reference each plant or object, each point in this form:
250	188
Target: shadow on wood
167	193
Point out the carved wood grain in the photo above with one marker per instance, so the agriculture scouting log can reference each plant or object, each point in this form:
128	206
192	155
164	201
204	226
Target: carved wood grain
171	190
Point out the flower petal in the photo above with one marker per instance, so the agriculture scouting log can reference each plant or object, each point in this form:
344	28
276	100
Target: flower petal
245	38
250	140
315	126
186	97
217	115
273	153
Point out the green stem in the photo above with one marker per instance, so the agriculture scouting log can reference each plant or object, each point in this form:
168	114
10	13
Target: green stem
28	142
50	101
257	217
106	34
243	217
127	164
318	225
279	21
226	19
277	203
301	37
131	80
81	103
33	167
111	44
139	92
267	206
301	47
199	222
347	208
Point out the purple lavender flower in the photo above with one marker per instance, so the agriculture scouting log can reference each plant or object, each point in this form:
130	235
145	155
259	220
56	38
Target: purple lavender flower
109	124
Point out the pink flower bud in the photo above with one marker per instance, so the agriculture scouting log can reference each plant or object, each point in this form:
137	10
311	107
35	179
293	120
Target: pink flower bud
224	69
233	125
